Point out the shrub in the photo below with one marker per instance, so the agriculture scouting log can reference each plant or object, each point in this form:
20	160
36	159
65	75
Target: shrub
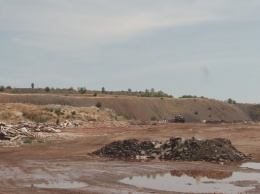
98	104
58	112
153	118
47	89
196	112
27	140
125	116
146	94
40	120
82	90
152	93
34	118
230	101
71	89
49	109
2	88
188	96
40	141
73	113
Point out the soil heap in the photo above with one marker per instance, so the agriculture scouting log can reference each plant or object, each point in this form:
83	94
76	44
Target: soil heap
176	148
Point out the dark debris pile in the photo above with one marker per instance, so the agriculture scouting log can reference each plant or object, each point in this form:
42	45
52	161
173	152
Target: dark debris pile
176	148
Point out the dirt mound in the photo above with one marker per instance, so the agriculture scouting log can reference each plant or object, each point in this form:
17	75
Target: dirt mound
176	148
142	108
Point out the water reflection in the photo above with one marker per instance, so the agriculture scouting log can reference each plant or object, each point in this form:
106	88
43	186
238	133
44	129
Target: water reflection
218	175
253	165
150	176
197	181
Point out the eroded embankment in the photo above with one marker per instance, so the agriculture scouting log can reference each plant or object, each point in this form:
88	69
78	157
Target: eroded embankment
141	108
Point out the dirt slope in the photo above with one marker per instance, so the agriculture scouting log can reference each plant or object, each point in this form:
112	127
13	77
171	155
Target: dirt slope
194	110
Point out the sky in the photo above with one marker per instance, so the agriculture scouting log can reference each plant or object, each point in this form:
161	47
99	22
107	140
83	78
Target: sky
206	48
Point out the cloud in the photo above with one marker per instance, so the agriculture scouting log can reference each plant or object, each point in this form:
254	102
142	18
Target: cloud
142	43
67	24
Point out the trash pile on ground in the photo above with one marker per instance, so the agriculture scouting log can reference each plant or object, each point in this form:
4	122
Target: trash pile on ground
23	129
176	148
105	124
226	122
177	119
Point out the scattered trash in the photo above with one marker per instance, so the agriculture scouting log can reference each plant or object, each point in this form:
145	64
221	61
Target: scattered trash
177	119
226	122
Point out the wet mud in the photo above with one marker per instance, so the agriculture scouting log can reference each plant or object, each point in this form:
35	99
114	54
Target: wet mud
64	166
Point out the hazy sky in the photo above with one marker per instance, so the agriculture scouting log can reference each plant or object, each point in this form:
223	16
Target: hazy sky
199	47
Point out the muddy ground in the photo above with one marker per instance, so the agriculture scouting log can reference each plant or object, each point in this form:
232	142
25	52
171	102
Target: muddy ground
64	158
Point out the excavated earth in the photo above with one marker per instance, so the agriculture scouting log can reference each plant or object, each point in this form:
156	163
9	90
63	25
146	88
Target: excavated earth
176	148
141	108
63	159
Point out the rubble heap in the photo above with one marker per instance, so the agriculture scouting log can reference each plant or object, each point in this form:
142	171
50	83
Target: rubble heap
23	129
8	132
176	148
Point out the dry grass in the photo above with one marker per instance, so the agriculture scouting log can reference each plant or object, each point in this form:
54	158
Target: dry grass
15	112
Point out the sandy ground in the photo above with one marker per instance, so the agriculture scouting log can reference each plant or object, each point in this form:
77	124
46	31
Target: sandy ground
65	158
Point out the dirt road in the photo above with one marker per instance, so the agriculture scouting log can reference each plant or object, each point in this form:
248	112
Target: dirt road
64	161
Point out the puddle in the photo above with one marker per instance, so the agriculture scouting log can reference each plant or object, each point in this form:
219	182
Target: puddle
194	181
252	165
61	185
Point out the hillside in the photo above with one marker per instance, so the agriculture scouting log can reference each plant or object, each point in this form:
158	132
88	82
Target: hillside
142	108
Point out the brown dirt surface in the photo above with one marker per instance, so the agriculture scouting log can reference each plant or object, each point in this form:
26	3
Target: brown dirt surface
65	157
144	108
